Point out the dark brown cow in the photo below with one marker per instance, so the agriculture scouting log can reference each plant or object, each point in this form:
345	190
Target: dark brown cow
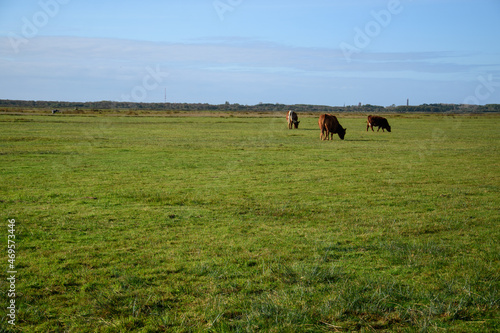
330	125
292	119
380	122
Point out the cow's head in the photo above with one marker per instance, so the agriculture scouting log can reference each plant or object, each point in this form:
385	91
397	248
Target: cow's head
388	128
341	133
296	124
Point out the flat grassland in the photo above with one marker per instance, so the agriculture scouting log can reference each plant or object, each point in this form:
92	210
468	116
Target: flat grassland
217	224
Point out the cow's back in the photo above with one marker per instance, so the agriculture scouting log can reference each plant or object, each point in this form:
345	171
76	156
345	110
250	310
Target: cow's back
377	120
331	123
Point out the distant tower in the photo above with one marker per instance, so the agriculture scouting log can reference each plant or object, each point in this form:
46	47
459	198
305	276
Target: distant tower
165	95
407	102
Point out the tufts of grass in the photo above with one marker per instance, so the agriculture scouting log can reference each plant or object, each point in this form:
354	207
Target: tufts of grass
238	224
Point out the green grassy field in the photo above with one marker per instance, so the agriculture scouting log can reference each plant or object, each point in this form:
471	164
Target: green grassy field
218	224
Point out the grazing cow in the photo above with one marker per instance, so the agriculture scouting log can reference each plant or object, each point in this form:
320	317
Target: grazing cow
292	119
381	122
329	124
55	111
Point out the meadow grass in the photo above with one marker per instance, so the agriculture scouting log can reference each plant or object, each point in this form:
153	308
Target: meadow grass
218	224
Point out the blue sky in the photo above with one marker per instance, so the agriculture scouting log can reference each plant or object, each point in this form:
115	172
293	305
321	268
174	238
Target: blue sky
250	51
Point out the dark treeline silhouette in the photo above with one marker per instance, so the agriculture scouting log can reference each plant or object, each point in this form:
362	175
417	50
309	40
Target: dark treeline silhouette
261	107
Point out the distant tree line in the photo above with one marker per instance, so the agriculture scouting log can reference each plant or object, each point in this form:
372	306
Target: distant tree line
261	107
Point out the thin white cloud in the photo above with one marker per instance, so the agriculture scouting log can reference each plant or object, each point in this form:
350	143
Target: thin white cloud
112	67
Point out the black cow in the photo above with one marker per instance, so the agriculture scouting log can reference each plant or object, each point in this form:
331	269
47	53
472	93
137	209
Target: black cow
378	121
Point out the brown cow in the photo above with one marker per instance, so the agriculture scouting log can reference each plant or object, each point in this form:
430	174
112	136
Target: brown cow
381	122
292	119
329	124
